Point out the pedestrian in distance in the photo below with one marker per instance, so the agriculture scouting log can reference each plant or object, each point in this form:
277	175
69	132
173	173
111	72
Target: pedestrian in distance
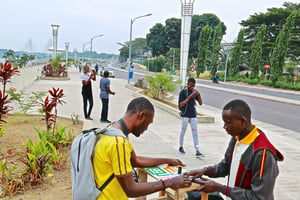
116	155
87	94
216	78
187	101
80	67
96	68
250	161
104	96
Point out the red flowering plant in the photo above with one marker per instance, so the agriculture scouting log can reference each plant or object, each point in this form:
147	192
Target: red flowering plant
49	104
6	72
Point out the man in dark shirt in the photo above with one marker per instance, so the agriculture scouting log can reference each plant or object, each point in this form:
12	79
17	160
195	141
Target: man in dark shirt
86	91
187	100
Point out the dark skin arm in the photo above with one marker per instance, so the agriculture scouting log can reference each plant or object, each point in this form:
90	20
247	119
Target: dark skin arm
109	91
198	173
208	186
199	99
194	94
142	162
92	77
134	189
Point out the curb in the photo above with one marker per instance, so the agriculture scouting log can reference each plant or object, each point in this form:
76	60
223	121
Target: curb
201	118
86	124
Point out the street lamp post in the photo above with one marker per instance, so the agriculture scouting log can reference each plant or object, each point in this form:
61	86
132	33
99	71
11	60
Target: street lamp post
67	51
83	50
129	56
186	22
55	34
227	47
92	47
75	56
173	67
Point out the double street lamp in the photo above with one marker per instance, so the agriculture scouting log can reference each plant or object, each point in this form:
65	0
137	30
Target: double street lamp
92	47
55	34
130	62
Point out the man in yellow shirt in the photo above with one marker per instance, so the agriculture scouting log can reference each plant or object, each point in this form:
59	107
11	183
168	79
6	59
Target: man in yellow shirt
114	155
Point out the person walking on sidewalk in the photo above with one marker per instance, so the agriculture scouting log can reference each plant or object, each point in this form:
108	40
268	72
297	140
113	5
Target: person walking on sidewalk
250	160
115	155
187	100
87	93
104	95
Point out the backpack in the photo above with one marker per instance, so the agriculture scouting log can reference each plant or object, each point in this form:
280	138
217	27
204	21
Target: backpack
83	182
186	95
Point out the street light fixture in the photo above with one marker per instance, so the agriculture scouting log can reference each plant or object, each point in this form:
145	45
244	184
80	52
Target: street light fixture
131	22
227	48
83	50
121	44
54	33
67	49
92	47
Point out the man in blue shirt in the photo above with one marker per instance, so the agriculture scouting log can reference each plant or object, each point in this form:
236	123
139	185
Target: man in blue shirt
187	100
104	95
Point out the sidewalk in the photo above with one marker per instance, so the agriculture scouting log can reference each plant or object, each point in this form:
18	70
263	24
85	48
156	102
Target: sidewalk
161	138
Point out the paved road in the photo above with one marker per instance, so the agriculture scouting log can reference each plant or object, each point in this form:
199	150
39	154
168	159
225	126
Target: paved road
262	100
263	91
272	112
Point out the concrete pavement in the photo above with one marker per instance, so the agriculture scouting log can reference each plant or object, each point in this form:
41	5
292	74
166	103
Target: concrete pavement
161	138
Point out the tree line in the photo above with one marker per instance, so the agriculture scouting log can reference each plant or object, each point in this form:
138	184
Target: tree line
272	37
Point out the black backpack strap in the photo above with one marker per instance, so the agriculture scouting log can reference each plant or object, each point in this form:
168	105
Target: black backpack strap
124	127
95	130
98	132
101	188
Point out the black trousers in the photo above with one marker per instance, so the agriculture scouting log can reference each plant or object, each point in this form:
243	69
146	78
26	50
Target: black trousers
86	111
104	112
193	195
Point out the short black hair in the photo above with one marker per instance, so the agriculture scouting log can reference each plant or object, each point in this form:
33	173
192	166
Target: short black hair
140	104
85	66
239	107
106	74
191	80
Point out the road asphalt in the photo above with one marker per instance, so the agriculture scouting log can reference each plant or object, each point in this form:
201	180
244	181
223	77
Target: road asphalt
162	137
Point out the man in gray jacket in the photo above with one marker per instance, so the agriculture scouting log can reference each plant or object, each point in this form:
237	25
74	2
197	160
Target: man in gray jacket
250	161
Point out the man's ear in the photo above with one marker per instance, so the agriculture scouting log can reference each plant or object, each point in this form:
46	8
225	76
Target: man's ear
141	115
244	121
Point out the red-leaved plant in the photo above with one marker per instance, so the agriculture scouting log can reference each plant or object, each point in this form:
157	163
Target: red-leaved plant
6	72
56	96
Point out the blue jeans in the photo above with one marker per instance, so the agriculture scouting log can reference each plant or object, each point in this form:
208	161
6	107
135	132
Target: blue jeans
104	109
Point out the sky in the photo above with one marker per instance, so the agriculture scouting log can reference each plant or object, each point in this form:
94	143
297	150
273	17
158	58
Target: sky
23	21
